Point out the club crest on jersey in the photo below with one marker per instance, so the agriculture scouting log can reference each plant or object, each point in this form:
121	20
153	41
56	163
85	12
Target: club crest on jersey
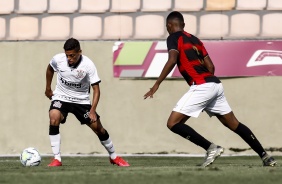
57	104
80	74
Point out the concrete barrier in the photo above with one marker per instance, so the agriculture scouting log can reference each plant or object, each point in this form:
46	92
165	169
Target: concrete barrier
135	125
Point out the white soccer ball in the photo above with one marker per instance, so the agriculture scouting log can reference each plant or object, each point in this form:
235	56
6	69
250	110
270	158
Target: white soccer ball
30	157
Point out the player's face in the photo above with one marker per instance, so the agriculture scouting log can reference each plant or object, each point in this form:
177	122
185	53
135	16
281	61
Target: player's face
73	56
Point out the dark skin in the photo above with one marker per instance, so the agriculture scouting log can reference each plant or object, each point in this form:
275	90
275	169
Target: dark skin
55	115
229	120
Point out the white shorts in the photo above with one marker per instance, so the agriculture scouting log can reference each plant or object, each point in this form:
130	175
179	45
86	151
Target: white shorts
207	97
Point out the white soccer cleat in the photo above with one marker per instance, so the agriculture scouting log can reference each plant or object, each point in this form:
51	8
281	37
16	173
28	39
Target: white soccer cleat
212	154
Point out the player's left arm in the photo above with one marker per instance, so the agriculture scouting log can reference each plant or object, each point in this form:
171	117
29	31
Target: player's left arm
95	100
209	64
94	81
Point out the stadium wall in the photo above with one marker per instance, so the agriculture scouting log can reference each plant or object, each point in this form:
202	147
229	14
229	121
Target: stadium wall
135	125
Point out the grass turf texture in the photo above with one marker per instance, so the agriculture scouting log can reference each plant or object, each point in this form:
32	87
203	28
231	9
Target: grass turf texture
164	170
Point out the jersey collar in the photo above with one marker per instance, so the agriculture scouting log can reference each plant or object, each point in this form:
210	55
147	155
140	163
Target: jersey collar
77	63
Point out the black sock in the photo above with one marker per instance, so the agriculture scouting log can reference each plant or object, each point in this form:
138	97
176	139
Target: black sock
54	130
104	137
189	133
247	135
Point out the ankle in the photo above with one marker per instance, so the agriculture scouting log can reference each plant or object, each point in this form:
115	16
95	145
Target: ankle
212	146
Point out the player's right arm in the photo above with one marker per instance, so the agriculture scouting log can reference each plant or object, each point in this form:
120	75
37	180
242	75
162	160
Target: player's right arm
172	47
172	60
49	77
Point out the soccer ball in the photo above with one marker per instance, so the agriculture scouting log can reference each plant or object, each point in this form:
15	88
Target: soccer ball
30	157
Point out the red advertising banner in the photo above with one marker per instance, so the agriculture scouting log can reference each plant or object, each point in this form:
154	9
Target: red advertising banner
231	58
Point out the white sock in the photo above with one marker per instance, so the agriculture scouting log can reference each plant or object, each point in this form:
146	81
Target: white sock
55	144
108	144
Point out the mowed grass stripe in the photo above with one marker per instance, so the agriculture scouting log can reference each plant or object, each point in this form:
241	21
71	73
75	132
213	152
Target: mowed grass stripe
164	170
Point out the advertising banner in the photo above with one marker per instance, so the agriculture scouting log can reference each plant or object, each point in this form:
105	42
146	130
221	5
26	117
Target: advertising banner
231	58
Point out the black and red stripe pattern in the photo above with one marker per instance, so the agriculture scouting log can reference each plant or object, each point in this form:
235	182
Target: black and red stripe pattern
191	57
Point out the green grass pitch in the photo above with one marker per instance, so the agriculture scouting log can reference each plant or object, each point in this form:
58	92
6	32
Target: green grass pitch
145	170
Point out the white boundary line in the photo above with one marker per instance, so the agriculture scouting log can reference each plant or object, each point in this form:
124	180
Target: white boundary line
130	155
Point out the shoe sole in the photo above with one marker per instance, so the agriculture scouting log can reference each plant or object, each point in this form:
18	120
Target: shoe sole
119	165
54	165
216	156
271	164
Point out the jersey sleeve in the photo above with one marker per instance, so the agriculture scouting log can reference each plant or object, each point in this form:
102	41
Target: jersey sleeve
172	43
53	64
93	74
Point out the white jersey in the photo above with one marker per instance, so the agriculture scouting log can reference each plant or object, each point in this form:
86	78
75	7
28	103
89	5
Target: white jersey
73	83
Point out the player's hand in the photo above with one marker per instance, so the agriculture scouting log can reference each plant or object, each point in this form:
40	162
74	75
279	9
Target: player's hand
49	93
151	92
93	117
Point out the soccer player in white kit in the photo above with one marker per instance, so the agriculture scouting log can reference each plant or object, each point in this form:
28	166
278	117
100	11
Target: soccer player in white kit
76	73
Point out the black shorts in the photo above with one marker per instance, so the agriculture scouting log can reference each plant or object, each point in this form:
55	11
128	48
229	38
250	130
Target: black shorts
81	111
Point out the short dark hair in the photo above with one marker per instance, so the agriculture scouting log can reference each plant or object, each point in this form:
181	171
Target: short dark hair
175	15
72	44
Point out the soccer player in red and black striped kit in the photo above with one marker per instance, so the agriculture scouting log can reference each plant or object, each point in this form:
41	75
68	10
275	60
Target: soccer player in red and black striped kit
205	94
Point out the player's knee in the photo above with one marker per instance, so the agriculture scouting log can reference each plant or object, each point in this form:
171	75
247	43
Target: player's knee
54	122
170	124
232	124
97	128
100	131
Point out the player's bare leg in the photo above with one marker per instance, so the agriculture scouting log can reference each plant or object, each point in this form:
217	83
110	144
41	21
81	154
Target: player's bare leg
230	121
176	123
55	138
107	143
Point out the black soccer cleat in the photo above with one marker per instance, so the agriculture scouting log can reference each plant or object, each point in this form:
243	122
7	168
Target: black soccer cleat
268	161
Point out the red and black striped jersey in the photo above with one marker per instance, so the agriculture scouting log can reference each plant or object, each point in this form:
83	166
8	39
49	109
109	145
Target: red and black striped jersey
190	59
